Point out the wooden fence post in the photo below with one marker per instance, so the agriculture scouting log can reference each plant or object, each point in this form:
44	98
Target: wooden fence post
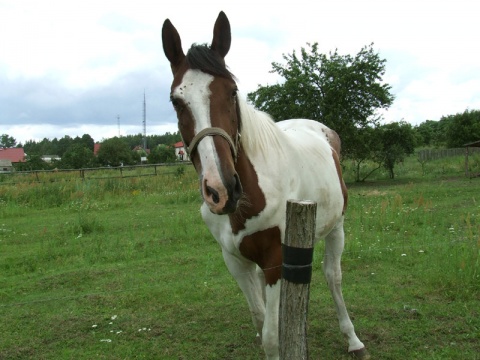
297	253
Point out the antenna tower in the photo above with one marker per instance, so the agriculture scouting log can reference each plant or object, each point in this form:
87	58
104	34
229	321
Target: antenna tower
144	122
118	124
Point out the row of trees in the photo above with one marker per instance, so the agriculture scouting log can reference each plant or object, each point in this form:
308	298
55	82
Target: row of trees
450	131
78	152
61	146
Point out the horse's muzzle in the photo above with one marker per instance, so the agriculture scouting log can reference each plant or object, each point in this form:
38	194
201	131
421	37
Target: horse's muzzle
222	198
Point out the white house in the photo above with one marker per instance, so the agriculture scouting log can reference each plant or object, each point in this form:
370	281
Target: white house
180	152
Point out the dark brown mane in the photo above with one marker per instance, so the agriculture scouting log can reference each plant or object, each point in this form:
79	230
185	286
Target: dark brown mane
202	58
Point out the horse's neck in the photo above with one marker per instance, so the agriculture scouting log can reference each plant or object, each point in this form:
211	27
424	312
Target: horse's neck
260	136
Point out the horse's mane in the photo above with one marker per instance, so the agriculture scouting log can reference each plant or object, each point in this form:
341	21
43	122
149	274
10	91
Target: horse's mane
203	58
259	132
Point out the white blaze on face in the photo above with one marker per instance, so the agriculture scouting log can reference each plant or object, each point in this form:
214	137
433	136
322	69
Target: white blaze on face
195	92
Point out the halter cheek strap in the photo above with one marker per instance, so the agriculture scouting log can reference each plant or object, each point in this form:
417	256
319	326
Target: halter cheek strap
212	132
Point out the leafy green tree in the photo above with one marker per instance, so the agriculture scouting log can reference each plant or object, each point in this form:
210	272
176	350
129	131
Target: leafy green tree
115	152
366	146
161	154
341	91
432	133
63	145
397	141
86	141
462	128
7	141
33	162
77	157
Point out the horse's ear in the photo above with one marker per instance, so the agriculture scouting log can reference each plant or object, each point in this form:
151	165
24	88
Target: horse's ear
172	45
222	36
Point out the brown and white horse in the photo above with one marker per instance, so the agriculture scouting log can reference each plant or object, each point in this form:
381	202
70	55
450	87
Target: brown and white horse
249	166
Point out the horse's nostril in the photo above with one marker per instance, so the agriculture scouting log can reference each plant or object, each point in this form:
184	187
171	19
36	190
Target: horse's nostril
214	193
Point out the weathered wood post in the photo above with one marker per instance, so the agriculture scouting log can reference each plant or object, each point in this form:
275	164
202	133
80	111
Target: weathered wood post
297	251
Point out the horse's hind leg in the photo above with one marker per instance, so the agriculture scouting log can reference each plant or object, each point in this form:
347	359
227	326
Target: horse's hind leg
334	244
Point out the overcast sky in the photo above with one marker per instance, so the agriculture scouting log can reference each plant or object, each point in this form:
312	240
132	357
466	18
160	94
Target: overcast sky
71	67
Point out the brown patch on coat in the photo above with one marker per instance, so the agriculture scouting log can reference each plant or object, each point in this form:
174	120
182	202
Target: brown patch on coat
265	249
336	145
340	179
253	200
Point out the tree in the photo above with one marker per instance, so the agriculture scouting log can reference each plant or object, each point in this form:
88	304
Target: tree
341	91
7	141
115	152
77	157
161	154
87	141
366	147
397	141
34	162
462	128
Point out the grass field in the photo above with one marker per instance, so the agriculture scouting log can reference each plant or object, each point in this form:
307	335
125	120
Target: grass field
126	269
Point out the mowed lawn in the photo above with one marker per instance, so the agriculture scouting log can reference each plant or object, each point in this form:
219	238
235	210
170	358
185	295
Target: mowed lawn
126	269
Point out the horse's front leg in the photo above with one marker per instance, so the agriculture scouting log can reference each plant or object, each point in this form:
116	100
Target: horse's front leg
270	326
245	273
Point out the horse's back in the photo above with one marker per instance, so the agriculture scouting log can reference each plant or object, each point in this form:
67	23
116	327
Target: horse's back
310	134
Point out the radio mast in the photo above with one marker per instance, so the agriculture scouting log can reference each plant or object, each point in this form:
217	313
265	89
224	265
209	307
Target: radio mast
144	122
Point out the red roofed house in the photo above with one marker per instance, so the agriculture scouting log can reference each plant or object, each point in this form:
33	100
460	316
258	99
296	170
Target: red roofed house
13	154
9	156
180	152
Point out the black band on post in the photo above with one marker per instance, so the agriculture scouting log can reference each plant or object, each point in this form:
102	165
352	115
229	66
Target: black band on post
297	264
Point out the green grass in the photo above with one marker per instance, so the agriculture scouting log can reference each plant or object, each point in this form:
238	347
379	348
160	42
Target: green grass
126	269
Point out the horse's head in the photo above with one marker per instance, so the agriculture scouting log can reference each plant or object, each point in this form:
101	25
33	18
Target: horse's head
204	96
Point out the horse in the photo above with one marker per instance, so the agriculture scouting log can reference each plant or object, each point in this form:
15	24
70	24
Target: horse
248	167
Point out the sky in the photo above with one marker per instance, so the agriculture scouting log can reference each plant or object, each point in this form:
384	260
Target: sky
71	67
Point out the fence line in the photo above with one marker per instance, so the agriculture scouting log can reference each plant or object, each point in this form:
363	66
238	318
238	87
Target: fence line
81	173
436	154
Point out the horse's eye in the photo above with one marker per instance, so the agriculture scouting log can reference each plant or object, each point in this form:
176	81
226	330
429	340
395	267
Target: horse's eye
234	92
177	104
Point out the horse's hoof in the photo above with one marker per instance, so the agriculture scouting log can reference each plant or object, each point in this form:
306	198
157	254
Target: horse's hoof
258	340
360	354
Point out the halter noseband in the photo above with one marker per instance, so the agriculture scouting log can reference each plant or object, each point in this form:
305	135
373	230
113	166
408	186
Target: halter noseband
212	131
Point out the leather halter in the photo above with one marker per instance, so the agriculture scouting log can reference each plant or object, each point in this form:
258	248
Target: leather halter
212	131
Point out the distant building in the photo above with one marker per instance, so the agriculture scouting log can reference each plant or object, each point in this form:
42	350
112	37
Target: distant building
180	152
143	152
15	155
5	166
96	147
51	158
